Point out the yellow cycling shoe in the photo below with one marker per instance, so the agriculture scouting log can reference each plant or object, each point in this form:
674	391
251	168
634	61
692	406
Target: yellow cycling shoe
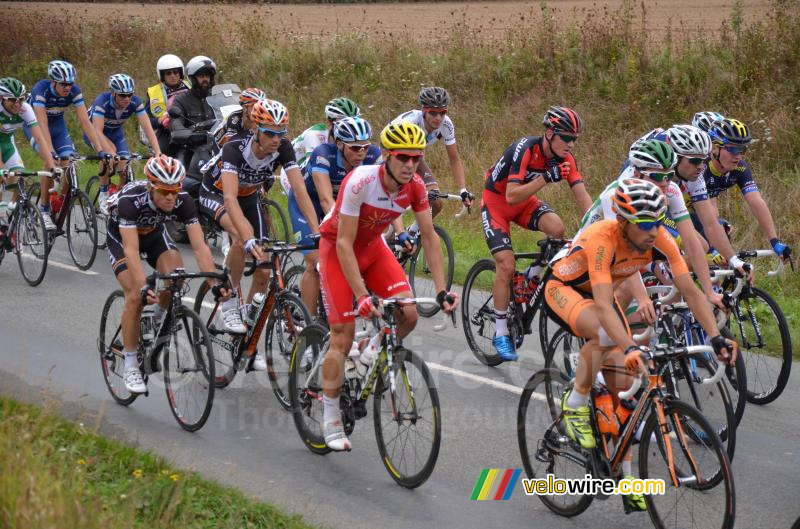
633	502
579	427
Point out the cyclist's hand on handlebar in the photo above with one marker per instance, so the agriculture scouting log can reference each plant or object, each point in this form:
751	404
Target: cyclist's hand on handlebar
448	301
633	358
784	251
725	349
646	310
717	299
253	247
467	198
147	295
221	291
409	243
742	269
558	172
366	308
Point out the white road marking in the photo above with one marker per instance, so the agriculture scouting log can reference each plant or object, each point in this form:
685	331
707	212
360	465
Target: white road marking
477	378
206	304
50	262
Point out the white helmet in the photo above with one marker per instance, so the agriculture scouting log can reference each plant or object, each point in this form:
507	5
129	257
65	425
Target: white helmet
688	140
168	62
198	63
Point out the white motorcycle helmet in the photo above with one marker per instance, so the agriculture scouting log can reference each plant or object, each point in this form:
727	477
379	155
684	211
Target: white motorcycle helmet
168	62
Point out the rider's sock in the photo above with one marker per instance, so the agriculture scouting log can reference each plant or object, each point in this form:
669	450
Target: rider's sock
576	399
131	359
500	322
330	409
627	469
44	208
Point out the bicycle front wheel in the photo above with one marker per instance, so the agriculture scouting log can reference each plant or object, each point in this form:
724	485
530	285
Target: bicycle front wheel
477	311
189	370
305	386
81	230
420	276
278	225
690	499
110	346
289	317
227	347
31	246
407	419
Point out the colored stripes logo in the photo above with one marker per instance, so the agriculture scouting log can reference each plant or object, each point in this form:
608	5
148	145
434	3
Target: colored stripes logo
496	484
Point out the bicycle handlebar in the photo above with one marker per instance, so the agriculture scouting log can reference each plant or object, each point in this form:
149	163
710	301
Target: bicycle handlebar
662	351
435	194
744	254
48	174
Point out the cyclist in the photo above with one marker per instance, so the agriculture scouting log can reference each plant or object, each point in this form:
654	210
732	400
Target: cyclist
509	194
328	165
14	113
239	120
727	168
229	195
169	69
433	119
353	256
580	296
319	133
108	114
136	226
50	98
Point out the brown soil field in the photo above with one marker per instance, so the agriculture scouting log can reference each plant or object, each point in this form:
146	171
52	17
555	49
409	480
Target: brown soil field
430	19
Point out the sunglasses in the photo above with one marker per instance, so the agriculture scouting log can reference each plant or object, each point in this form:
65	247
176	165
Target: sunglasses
358	148
696	161
128	95
736	150
436	112
172	72
566	138
166	191
648	225
272	133
404	158
14	100
658	177
65	85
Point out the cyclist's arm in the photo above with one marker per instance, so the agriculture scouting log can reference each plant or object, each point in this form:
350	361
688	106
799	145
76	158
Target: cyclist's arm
144	122
42	147
582	197
709	217
230	194
345	237
456	166
695	254
41	119
130	245
424	170
303	200
433	250
603	295
98	122
202	253
322	182
697	303
91	132
517	190
760	209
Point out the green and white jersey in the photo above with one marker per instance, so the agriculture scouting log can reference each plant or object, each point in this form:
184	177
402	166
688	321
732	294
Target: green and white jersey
303	146
10	123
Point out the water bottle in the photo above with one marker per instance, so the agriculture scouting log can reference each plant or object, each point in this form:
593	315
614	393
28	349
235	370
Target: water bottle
255	307
532	274
369	353
146	325
606	418
352	361
55	201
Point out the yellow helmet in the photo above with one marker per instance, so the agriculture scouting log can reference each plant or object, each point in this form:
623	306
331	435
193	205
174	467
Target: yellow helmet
403	135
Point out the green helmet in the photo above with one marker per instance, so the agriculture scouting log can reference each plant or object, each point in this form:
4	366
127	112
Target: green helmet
341	107
652	155
10	87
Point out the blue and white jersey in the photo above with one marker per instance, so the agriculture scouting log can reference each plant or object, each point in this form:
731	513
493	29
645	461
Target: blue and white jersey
43	96
114	117
327	159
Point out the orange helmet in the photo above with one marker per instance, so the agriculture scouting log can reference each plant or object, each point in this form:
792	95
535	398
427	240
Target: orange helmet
271	115
165	172
251	95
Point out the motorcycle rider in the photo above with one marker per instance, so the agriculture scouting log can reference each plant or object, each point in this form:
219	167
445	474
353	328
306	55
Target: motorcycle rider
160	96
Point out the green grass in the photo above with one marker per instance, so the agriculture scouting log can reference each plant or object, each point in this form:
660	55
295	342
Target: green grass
56	473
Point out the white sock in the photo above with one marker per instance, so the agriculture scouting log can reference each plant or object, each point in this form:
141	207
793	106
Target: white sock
131	359
330	409
500	322
626	468
576	399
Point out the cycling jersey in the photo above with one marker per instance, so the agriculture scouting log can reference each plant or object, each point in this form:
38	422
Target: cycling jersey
115	117
303	146
713	183
363	195
43	96
132	207
523	161
9	123
233	126
446	131
237	157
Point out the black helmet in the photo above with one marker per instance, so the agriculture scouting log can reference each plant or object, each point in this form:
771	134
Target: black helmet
434	97
563	119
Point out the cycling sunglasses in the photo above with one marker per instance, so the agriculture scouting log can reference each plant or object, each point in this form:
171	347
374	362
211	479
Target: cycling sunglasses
126	95
735	150
696	161
65	85
658	176
272	133
567	138
648	225
14	100
435	111
166	191
405	157
358	148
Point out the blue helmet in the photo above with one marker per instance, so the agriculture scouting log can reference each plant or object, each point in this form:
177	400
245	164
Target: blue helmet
352	129
61	72
121	83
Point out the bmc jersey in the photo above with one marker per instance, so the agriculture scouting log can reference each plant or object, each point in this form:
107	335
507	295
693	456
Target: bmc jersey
363	195
114	117
9	123
446	131
327	159
712	183
601	255
523	161
42	95
132	207
237	157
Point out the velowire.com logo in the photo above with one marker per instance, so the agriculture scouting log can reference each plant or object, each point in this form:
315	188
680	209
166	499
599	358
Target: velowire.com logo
496	484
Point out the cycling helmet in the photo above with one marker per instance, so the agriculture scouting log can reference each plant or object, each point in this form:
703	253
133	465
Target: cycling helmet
168	62
251	95
563	119
403	135
61	72
689	140
705	120
434	97
730	132
652	155
10	87
341	107
165	172
201	64
121	83
637	200
272	114
352	129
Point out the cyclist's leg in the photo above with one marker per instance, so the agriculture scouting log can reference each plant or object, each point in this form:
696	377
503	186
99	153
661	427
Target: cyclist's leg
62	143
385	278
541	217
430	183
12	161
309	283
255	215
162	255
121	145
212	205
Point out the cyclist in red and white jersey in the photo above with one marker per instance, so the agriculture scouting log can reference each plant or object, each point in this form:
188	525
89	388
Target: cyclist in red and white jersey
355	260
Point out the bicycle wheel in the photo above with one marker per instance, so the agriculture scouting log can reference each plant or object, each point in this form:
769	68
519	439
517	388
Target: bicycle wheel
765	344
305	386
93	192
694	501
109	345
543	444
227	347
736	382
93	189
188	369
32	243
81	230
292	277
278	225
407	419
288	318
563	352
420	276
477	311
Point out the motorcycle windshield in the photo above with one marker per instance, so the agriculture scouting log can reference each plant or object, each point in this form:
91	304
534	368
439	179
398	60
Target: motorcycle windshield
224	99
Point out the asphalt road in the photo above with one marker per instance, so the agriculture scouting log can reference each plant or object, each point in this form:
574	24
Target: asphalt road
48	350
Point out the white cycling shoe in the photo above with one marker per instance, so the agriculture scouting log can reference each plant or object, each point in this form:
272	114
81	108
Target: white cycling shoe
134	382
231	321
335	438
259	362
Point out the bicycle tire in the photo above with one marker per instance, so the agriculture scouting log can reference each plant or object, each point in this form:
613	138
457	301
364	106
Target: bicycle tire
541	443
289	316
176	363
709	453
480	313
228	353
291	282
88	219
93	192
387	414
93	189
278	231
562	352
30	227
736	378
112	363
306	393
757	363
422	285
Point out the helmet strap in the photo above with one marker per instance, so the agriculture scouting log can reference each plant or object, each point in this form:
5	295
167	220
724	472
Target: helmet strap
389	172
